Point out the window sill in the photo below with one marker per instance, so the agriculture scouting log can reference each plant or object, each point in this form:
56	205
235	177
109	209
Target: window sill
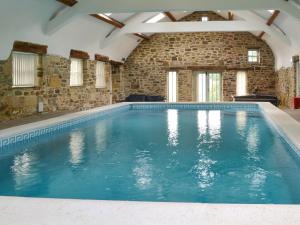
24	86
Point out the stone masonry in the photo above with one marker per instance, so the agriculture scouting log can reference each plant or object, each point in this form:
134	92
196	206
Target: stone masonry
286	86
146	69
53	89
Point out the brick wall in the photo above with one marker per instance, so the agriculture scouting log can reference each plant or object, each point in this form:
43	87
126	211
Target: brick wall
145	70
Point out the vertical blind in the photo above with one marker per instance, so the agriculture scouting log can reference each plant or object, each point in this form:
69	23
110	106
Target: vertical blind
172	87
76	76
24	69
100	75
241	83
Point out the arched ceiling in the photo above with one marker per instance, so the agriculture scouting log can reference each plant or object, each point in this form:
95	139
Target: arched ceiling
63	28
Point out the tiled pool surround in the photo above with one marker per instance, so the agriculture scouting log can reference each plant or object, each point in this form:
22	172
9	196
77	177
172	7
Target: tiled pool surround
15	208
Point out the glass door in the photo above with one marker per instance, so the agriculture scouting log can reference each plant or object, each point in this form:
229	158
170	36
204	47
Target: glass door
209	87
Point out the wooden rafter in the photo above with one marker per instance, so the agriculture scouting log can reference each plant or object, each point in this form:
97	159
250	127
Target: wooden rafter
116	23
270	21
230	16
104	18
68	2
109	20
170	16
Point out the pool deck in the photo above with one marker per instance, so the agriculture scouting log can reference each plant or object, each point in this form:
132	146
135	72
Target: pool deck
34	211
38	211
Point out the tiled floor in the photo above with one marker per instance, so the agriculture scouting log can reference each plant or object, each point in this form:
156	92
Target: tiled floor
294	113
30	119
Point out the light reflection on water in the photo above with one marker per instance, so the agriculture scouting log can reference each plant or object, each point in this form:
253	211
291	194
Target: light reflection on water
22	170
143	170
209	129
173	127
76	147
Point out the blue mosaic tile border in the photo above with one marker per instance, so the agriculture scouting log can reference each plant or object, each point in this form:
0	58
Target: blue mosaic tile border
30	134
219	106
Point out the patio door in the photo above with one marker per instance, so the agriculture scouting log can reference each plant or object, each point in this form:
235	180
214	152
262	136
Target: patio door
208	87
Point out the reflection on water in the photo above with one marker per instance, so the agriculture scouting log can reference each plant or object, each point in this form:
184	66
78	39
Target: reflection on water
209	125
76	147
202	122
253	142
22	169
100	137
241	121
143	170
205	174
173	127
209	129
214	123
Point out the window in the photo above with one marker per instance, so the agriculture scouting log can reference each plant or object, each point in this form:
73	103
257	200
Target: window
76	75
24	69
172	87
100	75
204	18
241	83
253	55
209	87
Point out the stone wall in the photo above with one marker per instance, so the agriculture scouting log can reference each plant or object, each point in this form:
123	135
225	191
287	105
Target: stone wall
286	86
117	83
53	89
145	70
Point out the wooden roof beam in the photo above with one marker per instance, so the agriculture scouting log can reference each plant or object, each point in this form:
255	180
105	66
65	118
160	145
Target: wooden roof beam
68	2
270	21
104	18
230	16
116	23
170	16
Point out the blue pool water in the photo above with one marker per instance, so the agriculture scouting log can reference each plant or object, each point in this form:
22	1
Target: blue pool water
158	155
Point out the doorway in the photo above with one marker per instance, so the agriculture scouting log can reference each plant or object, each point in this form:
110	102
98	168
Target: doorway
208	87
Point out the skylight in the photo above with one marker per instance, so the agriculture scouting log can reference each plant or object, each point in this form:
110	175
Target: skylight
156	18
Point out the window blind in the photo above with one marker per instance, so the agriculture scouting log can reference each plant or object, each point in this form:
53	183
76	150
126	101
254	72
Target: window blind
24	69
241	83
76	75
100	75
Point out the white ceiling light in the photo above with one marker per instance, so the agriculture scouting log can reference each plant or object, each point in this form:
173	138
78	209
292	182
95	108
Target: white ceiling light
156	18
271	10
107	14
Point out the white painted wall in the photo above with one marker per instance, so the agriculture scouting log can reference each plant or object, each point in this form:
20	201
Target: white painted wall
26	21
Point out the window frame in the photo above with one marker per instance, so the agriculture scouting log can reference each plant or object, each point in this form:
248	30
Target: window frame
81	72
98	76
253	56
35	81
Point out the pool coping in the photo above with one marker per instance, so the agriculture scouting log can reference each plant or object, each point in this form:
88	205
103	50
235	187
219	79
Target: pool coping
37	211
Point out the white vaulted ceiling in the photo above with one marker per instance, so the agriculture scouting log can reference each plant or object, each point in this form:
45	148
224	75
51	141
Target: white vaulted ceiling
73	28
